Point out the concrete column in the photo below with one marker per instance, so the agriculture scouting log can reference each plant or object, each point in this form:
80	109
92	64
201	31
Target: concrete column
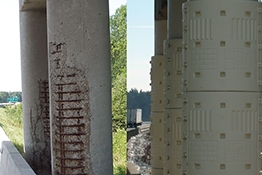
160	36
173	90
157	98
157	114
174	15
80	82
222	87
35	90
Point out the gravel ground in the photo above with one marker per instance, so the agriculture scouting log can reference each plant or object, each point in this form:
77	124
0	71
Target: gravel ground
138	151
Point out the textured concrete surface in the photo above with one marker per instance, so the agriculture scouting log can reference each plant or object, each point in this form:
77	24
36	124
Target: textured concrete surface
34	65
79	60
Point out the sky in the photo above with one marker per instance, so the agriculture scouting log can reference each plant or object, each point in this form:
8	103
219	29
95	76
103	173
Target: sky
139	43
10	71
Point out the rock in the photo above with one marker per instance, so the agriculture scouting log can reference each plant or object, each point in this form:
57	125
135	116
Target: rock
138	151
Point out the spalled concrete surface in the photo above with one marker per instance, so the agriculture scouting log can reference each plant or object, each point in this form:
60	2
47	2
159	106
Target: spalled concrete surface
11	161
80	87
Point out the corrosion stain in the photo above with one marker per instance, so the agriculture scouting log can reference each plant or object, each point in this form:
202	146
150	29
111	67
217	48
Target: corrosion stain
70	115
44	105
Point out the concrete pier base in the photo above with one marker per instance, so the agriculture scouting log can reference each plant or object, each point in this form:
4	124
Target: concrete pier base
35	90
80	84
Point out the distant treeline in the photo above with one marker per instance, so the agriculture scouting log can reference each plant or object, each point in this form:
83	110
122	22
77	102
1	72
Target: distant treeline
141	100
5	95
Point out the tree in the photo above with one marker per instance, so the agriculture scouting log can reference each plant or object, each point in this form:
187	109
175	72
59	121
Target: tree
5	95
119	102
140	100
18	94
118	67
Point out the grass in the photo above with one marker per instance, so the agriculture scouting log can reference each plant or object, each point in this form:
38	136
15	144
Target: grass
119	152
11	122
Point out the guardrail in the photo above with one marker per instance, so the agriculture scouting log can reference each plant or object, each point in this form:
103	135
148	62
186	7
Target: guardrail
144	128
11	160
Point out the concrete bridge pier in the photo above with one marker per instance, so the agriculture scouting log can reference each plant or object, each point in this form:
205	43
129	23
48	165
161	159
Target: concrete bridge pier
35	87
80	87
173	90
157	97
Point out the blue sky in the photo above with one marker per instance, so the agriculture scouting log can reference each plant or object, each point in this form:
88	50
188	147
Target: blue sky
140	43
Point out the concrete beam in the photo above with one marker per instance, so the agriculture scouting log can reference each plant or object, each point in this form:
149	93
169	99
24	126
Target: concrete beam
160	10
26	5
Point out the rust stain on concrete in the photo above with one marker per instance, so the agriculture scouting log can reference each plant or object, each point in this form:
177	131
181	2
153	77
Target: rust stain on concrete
70	115
44	105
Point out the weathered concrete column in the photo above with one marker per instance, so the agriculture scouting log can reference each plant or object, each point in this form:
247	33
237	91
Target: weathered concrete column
35	89
80	82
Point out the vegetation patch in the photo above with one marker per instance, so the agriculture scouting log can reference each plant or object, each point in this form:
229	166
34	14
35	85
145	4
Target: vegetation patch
11	122
119	152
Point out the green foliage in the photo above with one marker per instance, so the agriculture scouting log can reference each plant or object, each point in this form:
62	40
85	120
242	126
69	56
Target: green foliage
3	97
15	132
18	94
141	100
119	103
11	122
118	42
14	114
119	152
118	67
